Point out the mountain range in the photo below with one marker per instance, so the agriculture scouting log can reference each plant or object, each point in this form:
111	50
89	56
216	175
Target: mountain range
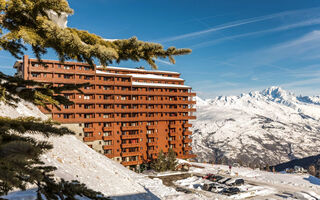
263	127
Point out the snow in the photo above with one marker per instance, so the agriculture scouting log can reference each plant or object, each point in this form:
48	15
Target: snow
108	73
74	160
258	184
61	20
148	76
152	76
141	70
273	121
159	85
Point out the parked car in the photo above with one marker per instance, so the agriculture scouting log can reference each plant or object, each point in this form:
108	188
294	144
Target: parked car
180	189
207	176
236	165
208	186
216	188
233	182
224	180
212	177
215	178
230	191
212	187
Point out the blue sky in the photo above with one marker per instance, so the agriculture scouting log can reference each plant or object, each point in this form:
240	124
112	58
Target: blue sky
238	46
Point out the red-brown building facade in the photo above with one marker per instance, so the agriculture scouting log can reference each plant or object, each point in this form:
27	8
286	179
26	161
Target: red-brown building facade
126	114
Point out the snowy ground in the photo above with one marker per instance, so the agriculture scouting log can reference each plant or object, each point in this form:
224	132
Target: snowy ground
258	184
76	161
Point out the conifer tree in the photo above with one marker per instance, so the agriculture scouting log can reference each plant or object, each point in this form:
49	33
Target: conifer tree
159	164
171	160
29	23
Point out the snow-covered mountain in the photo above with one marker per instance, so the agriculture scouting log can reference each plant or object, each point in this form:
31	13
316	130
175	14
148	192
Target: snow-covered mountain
270	126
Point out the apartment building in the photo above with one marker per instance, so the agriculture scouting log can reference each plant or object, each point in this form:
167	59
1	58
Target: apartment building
127	114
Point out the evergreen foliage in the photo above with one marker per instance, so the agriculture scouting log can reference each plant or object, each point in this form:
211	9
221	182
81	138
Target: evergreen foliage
28	21
159	164
171	160
165	162
14	88
20	162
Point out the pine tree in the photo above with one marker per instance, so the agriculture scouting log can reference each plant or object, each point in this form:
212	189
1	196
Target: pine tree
159	164
27	23
171	160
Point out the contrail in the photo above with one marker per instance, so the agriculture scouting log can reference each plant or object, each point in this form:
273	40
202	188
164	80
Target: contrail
278	29
234	24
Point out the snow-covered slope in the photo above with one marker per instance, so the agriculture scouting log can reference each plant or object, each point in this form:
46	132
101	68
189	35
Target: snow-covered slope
76	161
270	126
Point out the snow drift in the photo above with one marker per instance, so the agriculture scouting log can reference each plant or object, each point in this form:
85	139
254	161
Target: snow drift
76	161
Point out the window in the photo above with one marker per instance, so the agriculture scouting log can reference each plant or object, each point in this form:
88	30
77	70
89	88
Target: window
67	76
86	97
66	116
34	74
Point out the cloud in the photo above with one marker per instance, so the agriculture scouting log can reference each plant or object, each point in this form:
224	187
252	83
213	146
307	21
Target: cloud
273	30
235	24
163	62
313	81
293	50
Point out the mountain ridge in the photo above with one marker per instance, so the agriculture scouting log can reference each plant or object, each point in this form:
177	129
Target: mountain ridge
263	127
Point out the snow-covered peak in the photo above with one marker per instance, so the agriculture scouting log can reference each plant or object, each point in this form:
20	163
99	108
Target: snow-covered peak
277	94
268	121
200	101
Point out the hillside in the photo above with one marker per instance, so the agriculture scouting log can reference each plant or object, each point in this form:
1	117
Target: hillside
271	126
76	161
303	162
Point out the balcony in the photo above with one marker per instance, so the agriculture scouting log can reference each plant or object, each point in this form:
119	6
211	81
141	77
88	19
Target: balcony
153	151
127	128
89	139
110	137
187	148
173	142
105	147
88	130
174	125
151	143
187	140
173	133
152	135
187	125
151	126
187	132
135	153
130	136
109	128
128	163
130	145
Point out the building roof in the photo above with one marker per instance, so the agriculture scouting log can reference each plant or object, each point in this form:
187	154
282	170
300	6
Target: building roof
139	70
159	85
153	76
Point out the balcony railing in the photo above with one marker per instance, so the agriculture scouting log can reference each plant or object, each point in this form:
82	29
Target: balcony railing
130	136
